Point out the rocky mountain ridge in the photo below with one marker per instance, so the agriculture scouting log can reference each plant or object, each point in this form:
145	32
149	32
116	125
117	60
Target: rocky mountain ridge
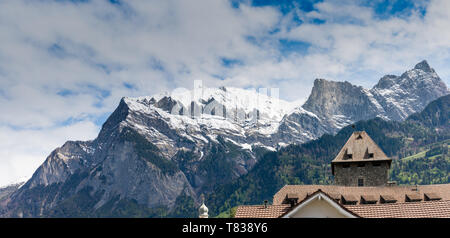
163	151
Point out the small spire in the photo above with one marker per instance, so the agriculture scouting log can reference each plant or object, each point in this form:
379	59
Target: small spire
203	210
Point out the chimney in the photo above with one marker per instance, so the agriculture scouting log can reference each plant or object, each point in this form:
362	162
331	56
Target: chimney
391	183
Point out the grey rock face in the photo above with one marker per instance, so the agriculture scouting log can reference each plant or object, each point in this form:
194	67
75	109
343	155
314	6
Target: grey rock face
128	174
424	66
338	104
7	190
166	103
329	98
409	93
114	165
146	155
136	157
299	127
62	163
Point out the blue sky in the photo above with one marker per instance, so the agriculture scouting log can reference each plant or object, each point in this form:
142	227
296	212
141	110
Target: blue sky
65	64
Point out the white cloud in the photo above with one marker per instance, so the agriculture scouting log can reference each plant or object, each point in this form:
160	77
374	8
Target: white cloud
22	151
61	61
378	45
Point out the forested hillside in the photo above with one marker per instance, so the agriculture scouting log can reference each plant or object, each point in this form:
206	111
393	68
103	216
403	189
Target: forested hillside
309	163
430	166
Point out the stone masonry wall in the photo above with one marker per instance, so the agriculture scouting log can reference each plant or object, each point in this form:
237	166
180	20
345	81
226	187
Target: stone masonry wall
372	175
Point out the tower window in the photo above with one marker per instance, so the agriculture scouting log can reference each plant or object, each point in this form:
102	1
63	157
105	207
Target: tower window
348	153
360	182
370	155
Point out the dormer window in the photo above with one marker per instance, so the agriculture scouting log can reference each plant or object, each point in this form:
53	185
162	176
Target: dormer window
335	196
368	199
413	197
348	153
349	199
363	157
369	153
387	198
431	197
291	198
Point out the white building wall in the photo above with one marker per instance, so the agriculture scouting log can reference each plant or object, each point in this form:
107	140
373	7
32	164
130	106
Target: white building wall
318	209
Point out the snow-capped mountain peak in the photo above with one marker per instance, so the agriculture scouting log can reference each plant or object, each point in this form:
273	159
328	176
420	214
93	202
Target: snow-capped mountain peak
403	95
424	66
154	149
227	108
331	106
270	107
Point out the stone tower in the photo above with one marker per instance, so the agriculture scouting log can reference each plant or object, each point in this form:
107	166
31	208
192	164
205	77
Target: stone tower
361	163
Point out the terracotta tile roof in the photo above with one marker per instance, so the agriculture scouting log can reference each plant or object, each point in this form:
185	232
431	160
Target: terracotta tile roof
401	209
394	192
430	209
358	148
258	211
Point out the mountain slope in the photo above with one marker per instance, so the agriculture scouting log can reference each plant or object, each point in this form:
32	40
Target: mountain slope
7	190
309	163
436	114
140	157
332	100
430	165
158	154
403	95
338	104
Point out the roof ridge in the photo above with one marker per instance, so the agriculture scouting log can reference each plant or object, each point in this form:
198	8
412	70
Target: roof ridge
360	147
319	191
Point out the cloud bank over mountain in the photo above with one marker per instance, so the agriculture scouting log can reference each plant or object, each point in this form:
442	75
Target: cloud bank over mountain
64	65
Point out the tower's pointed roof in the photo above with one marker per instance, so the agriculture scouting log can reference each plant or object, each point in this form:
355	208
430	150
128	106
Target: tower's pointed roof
359	148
